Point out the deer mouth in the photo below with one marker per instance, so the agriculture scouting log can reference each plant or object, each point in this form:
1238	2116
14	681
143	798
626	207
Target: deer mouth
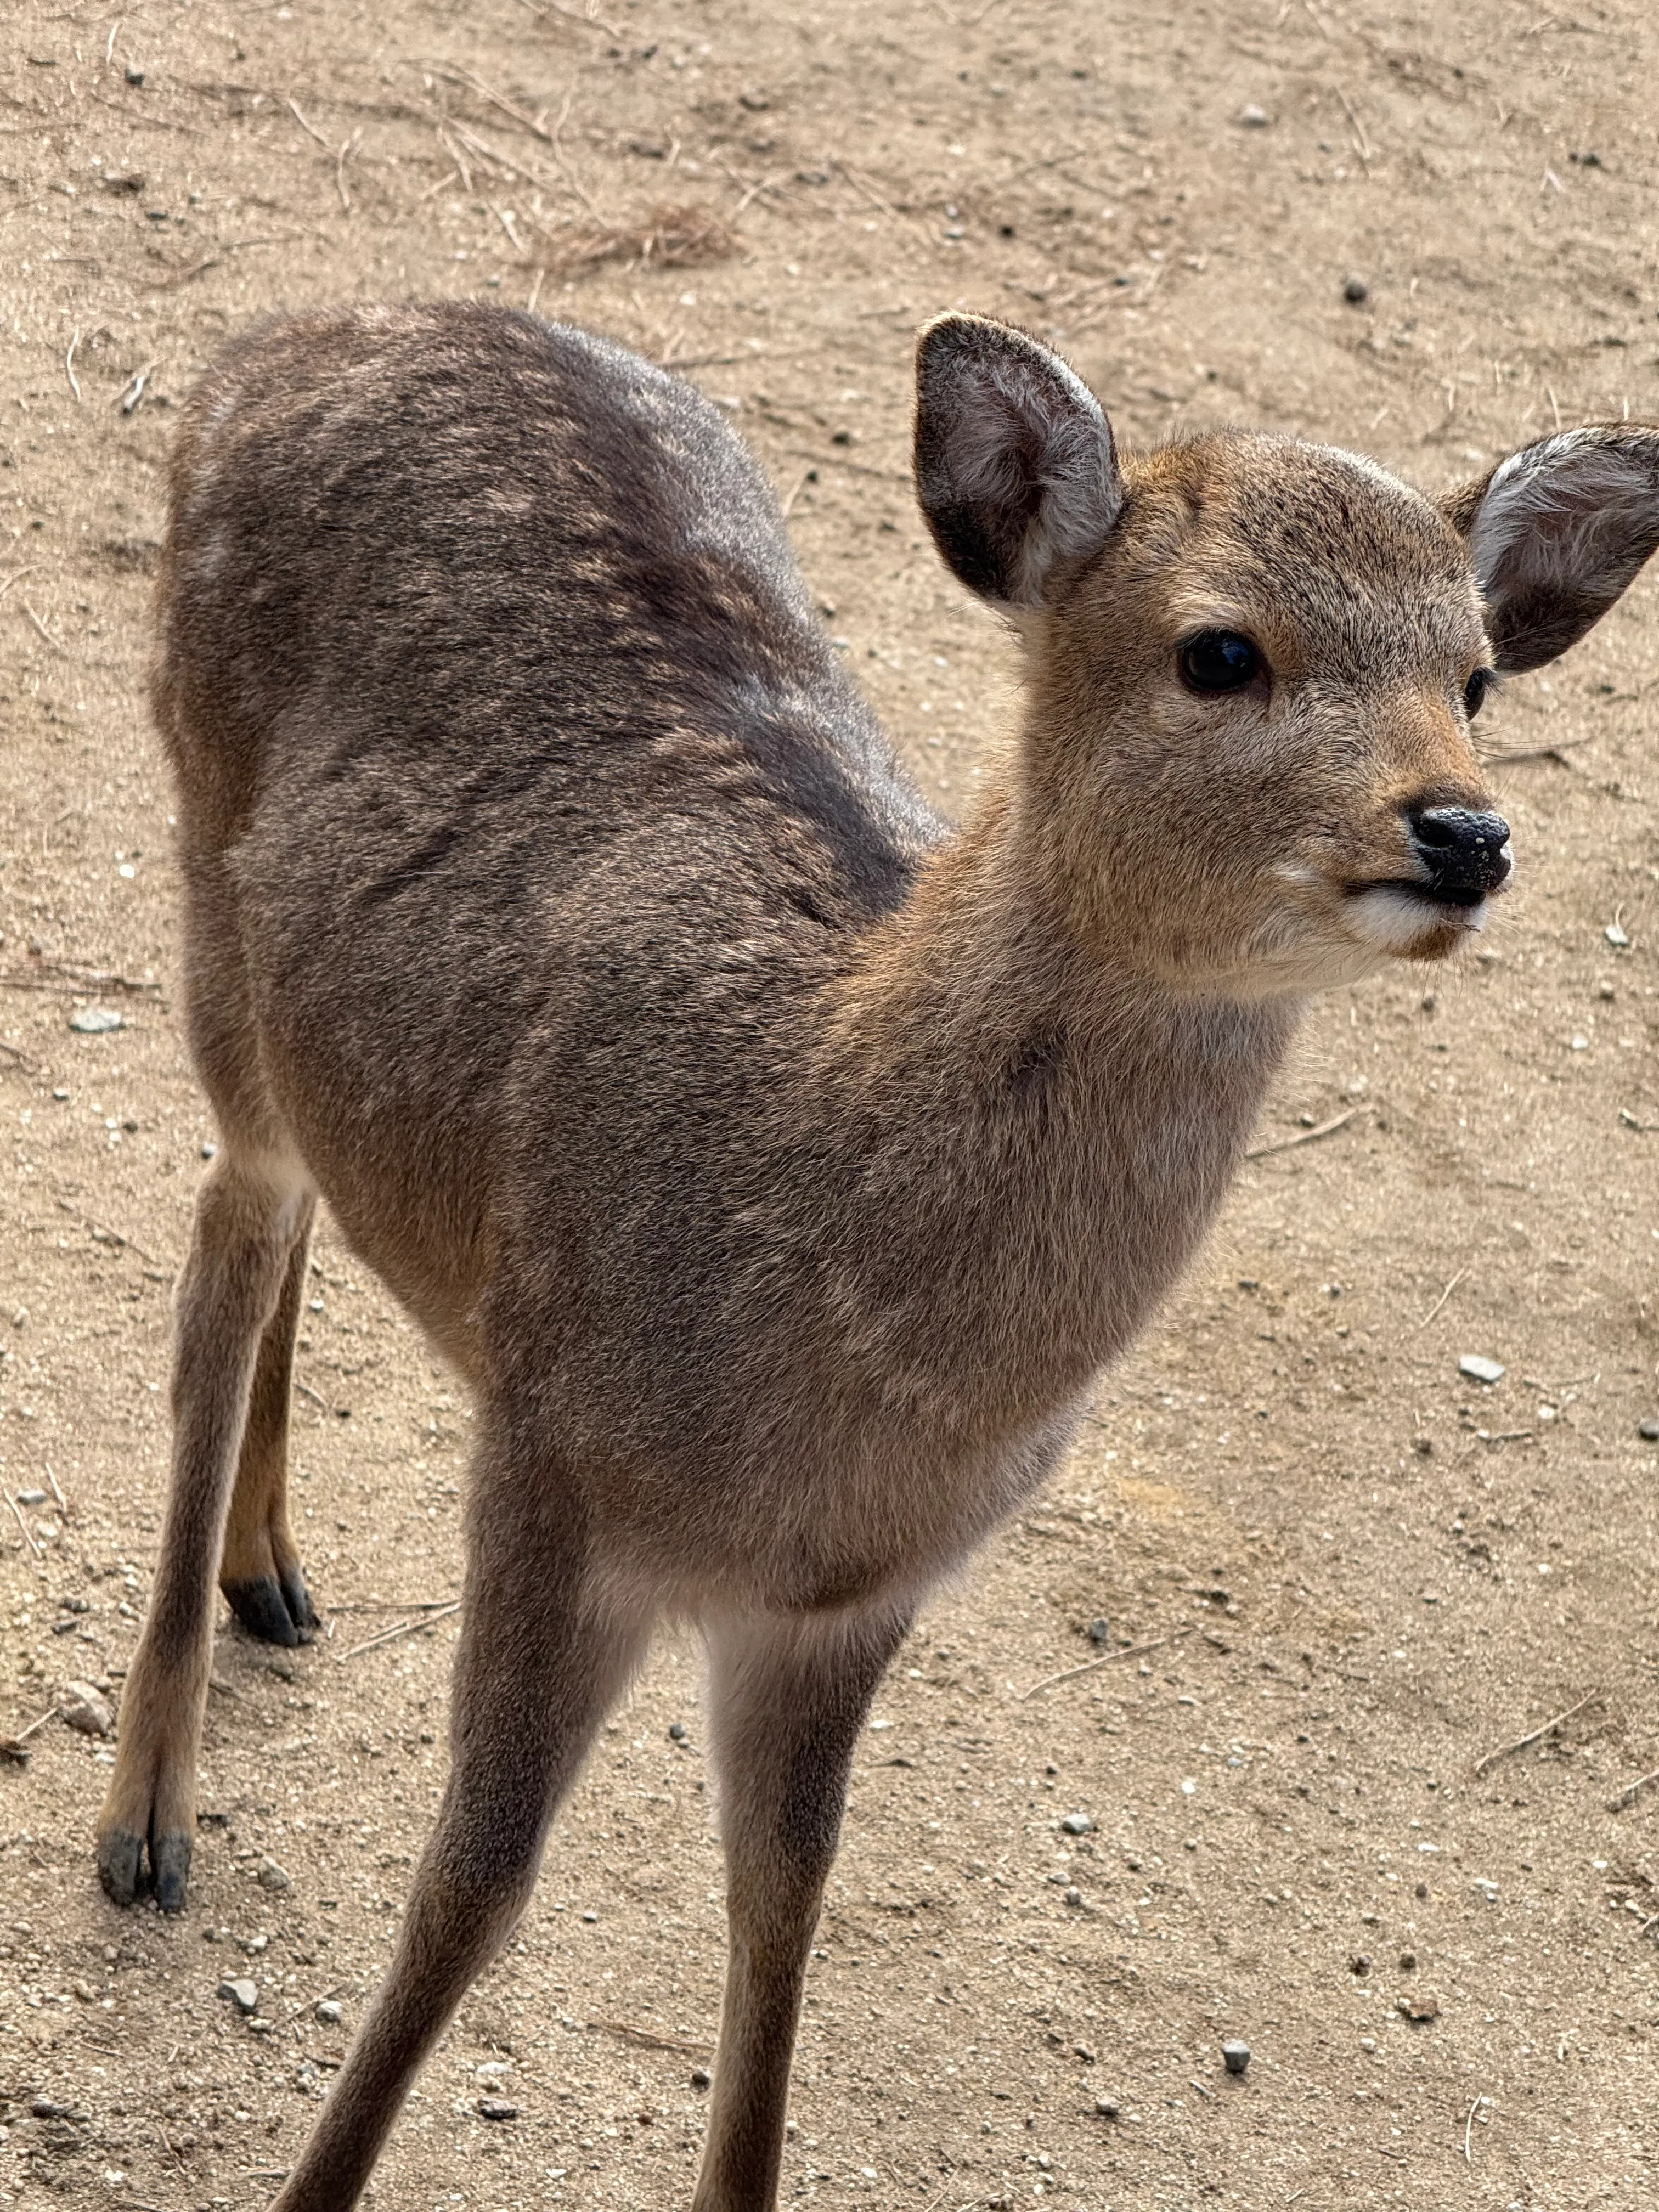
1465	895
1408	920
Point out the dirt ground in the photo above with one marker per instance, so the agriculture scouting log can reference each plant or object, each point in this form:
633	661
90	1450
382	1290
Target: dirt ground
1357	1571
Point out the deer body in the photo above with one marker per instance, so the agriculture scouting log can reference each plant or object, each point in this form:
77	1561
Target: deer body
779	1167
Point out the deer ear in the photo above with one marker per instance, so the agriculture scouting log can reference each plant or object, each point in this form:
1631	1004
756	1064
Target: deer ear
1556	532
1015	466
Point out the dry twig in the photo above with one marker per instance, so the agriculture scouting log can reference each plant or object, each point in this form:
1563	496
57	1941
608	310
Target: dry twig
403	1628
1628	1796
1441	1299
1536	1736
310	129
41	626
1106	1658
649	2039
1302	1136
28	1535
11	1747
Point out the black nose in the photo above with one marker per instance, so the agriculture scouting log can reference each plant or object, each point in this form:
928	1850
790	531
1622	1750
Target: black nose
1464	853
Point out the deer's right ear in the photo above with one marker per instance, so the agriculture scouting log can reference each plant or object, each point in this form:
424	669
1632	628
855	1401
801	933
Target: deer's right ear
1016	468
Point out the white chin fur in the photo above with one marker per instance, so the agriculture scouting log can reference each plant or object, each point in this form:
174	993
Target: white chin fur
1396	919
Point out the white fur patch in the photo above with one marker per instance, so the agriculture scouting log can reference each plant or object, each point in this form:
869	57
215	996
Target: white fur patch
1395	919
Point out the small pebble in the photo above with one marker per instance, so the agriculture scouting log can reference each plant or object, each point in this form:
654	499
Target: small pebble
1356	291
1616	934
1235	2055
1478	1369
1649	1431
590	1917
94	1021
328	2012
31	1498
273	1877
1361	1964
1418	2008
676	1731
1073	1895
86	1709
1100	1629
1408	1962
1254	118
1077	1824
700	2077
244	1995
258	2026
1108	2107
46	2108
496	2108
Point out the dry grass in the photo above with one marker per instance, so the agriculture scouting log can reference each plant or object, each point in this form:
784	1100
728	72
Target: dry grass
670	235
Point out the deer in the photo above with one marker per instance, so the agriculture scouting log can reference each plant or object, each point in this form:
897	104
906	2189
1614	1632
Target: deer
778	1164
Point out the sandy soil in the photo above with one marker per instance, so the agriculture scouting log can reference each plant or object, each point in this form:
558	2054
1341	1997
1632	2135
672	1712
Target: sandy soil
1369	1571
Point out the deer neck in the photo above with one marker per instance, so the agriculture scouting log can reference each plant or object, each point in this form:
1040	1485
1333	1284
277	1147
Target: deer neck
1042	1134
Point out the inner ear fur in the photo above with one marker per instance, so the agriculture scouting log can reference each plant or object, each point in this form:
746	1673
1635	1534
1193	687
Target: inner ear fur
1556	532
1016	467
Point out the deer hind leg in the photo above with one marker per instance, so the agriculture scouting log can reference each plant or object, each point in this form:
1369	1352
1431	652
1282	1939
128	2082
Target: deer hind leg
260	1572
541	1660
246	1218
789	1697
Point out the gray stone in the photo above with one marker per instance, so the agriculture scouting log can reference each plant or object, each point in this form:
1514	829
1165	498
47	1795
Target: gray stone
1100	1629
1077	1824
1234	2054
1254	118
1648	1431
1356	291
94	1021
1479	1368
273	1877
328	2012
700	2077
31	1498
1108	2107
676	1731
87	1709
244	1995
496	2108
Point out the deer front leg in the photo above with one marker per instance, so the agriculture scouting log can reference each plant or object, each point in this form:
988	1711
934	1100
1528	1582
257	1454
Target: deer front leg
789	1697
246	1219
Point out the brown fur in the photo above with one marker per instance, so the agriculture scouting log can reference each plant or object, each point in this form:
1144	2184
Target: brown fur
779	1167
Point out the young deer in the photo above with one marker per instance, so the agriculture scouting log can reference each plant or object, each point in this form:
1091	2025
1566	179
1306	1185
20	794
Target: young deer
779	1166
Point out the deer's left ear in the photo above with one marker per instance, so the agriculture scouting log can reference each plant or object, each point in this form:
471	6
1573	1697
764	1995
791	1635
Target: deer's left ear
1556	532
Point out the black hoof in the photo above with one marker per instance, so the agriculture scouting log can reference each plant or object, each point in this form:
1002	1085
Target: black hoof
297	1598
169	1871
121	1866
259	1606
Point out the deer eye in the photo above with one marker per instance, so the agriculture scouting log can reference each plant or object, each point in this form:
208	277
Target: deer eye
1217	660
1476	690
